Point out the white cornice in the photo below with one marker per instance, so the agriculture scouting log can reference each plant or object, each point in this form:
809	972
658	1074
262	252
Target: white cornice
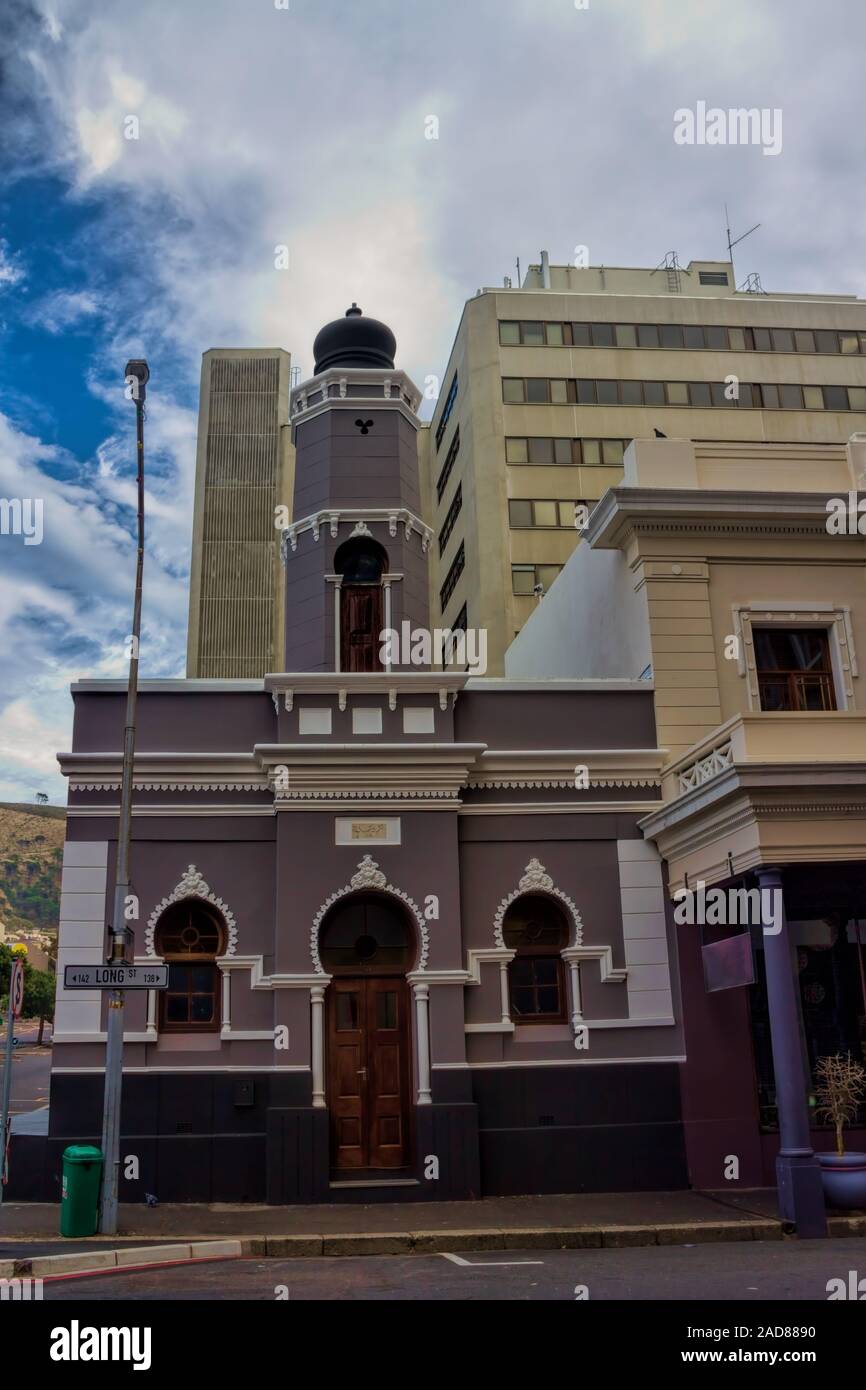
671	511
341	771
556	767
344	378
332	518
192	771
509	685
392	684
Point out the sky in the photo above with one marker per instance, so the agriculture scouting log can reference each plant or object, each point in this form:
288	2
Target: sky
154	157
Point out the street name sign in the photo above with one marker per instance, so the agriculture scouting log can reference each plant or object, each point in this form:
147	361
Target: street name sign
115	977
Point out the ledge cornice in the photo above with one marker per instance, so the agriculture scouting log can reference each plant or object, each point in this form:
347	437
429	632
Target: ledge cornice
674	511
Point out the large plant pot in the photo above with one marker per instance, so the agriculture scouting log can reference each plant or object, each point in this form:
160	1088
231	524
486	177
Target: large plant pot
844	1179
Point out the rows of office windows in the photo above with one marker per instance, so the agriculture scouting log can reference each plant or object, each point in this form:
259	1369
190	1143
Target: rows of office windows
457	567
450	401
450	460
580	452
451	518
537	512
541	390
689	336
527	579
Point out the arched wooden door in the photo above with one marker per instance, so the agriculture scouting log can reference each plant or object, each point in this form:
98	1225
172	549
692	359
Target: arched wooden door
366	946
360	627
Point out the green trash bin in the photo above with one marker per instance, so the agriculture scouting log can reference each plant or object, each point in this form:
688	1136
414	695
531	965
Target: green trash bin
79	1201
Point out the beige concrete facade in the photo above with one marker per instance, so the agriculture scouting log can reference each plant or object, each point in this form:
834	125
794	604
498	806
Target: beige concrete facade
627	300
244	470
716	541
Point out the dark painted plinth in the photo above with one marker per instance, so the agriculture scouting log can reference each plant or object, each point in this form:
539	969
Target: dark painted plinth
297	1156
587	1129
257	1138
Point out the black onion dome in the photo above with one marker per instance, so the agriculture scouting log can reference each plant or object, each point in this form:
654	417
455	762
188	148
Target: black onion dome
354	341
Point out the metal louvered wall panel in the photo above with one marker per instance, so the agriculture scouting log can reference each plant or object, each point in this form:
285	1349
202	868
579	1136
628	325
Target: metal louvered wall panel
239	568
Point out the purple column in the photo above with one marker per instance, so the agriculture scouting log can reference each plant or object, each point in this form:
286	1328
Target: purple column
798	1173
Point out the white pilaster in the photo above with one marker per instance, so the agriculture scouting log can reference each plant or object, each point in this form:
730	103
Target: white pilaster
317	1008
422	1029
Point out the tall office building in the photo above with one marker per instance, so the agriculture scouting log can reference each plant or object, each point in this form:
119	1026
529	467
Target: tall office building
244	470
547	383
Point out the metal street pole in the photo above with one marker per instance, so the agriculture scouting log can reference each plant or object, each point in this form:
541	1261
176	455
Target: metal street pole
7	1080
137	374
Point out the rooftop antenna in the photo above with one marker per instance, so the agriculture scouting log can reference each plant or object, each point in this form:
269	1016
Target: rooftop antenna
736	242
518	272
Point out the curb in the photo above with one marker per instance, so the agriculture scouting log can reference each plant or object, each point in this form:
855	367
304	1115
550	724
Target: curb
95	1261
311	1246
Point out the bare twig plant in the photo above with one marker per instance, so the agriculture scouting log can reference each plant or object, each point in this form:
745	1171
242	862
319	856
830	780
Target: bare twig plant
841	1088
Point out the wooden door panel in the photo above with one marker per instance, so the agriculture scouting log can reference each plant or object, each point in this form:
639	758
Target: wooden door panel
360	627
368	1066
347	1063
388	1048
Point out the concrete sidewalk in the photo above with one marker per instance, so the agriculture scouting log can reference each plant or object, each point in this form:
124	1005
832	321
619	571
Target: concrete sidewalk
671	1215
29	1244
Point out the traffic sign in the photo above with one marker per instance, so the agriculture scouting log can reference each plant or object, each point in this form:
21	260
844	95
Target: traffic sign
16	989
115	977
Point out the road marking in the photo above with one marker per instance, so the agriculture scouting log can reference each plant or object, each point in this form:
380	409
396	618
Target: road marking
488	1264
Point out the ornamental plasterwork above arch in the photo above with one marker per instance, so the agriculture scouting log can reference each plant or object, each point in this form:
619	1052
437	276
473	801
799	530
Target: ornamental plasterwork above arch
536	879
192	885
332	520
369	876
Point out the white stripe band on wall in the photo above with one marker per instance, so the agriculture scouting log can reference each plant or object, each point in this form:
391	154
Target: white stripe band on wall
644	930
81	932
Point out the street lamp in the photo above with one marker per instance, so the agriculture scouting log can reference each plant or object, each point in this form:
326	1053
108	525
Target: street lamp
137	374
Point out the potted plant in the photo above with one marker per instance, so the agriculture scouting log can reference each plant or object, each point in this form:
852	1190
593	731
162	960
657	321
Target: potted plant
841	1089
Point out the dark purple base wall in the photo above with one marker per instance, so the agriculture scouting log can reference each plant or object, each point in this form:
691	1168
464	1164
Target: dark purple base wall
257	1138
719	1095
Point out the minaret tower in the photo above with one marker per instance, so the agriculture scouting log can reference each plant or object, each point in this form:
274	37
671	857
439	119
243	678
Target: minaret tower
356	552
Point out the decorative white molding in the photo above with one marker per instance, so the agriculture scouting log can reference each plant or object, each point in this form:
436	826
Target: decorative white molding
836	620
481	783
369	876
536	879
370	794
142	785
192	885
358	517
703	769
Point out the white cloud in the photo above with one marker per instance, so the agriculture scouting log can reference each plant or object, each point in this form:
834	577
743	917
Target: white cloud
11	270
63	309
65	606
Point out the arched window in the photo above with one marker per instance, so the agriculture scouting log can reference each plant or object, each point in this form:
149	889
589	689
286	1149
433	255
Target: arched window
536	929
361	561
366	936
189	937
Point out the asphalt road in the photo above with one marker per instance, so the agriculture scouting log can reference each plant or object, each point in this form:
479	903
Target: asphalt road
31	1068
743	1272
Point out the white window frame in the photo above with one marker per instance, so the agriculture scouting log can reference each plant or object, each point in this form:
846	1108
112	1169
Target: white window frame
832	619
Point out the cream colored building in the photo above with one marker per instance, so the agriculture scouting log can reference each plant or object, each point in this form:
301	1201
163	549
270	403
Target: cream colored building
244	470
734	577
546	385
